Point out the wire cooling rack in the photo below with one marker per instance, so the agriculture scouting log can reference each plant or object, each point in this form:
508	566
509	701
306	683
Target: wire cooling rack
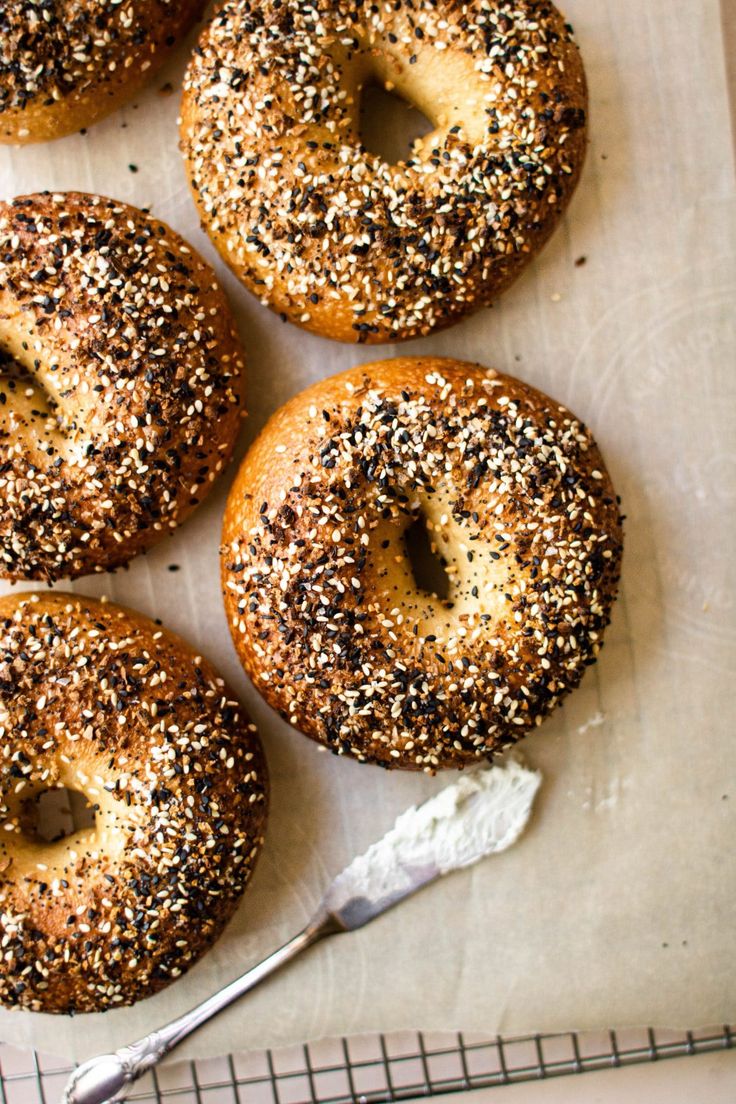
371	1069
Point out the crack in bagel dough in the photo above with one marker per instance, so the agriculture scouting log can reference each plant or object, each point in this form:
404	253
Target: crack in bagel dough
120	384
322	605
66	64
328	234
101	700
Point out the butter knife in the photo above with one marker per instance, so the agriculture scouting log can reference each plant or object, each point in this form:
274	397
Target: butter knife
484	812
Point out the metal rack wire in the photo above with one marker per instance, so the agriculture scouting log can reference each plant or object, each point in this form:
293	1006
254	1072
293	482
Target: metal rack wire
371	1069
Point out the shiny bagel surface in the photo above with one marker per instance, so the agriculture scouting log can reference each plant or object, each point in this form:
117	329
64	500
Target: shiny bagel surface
98	699
319	587
329	234
65	64
120	383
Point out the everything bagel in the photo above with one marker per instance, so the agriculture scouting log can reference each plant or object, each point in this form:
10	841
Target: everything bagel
120	383
65	64
332	236
323	605
100	700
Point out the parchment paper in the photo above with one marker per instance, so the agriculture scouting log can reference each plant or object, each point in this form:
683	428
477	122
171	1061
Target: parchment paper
617	906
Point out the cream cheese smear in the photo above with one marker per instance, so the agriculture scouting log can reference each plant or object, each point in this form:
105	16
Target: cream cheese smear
484	812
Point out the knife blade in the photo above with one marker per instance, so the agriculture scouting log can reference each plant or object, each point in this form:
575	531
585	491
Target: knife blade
482	813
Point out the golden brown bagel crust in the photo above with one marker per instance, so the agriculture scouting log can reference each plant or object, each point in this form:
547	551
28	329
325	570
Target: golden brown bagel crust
321	600
65	64
331	236
120	383
101	700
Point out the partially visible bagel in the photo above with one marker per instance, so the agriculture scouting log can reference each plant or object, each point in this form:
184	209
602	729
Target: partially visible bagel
331	235
324	607
120	383
65	64
100	700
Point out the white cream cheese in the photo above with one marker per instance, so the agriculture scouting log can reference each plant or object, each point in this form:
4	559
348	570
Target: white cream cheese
484	812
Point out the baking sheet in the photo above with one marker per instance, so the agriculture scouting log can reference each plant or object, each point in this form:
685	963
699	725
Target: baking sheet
617	905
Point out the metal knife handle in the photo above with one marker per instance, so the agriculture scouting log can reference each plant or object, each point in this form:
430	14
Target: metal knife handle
107	1079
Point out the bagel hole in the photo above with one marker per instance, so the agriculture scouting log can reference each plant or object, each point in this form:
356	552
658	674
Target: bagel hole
389	124
427	566
54	814
17	380
12	369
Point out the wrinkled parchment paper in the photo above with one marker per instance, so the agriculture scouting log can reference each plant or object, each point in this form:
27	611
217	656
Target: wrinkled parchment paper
617	905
